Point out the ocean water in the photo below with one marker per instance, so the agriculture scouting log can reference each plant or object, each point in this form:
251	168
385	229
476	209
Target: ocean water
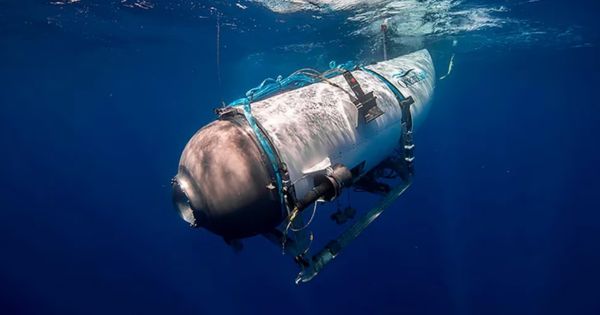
98	99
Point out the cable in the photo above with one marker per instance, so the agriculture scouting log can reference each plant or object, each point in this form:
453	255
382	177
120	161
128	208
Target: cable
312	216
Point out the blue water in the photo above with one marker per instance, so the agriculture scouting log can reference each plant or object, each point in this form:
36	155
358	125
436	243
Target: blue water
98	98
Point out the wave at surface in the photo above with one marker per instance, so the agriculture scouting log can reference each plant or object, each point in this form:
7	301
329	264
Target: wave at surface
411	17
328	27
411	23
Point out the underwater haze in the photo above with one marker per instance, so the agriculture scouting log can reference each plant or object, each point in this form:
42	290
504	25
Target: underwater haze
99	97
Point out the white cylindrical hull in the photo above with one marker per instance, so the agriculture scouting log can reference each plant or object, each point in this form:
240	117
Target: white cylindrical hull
315	127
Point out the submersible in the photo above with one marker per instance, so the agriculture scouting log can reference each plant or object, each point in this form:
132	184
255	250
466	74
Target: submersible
293	142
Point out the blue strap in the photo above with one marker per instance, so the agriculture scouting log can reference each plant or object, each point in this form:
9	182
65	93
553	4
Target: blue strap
407	123
392	87
267	149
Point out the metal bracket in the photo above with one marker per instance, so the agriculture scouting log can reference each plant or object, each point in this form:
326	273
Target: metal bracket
366	104
313	265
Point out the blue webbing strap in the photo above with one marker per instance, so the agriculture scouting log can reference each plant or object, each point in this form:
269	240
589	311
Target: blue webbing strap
407	122
267	149
403	101
393	88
